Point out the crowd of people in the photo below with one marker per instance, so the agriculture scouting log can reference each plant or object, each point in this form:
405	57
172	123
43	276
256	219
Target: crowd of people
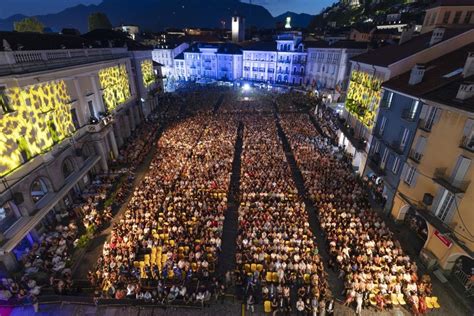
375	269
164	248
276	254
170	233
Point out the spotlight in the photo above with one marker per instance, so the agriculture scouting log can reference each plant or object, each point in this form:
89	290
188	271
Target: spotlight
246	87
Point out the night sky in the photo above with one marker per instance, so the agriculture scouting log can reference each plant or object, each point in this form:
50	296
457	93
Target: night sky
32	7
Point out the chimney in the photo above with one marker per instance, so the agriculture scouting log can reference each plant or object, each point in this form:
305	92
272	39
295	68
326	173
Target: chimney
417	73
466	91
407	33
437	35
469	65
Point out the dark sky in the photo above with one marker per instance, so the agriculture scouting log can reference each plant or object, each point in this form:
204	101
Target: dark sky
32	7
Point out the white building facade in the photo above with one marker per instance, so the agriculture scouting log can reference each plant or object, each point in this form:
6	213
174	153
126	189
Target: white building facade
210	61
328	66
165	55
282	61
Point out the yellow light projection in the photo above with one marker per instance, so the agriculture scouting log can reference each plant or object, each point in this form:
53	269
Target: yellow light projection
147	72
37	117
115	86
363	97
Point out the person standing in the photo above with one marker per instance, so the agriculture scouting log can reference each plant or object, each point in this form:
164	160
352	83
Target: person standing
359	300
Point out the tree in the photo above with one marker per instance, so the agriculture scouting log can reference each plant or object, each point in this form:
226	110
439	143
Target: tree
99	20
29	25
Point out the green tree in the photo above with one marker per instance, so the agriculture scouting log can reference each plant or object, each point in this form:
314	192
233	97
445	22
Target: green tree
29	25
99	20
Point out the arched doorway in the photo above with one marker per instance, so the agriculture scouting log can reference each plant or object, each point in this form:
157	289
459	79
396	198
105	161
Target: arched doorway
463	272
419	227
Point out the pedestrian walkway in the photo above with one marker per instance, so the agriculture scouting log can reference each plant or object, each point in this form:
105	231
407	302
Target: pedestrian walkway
231	222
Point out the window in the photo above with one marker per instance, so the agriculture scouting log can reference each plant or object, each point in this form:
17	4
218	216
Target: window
90	104
410	176
467	18
429	114
419	148
384	159
405	136
74	118
38	189
457	17
445	205
68	167
433	18
389	99
446	16
377	147
382	125
396	164
460	170
414	107
468	135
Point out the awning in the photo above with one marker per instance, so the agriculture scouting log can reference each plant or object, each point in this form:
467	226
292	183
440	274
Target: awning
25	224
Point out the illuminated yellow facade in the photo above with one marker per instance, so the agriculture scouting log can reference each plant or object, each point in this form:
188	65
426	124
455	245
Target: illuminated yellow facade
147	72
363	97
115	86
37	118
449	218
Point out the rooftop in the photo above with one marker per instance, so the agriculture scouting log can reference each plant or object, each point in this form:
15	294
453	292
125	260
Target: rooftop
454	3
38	41
338	44
260	46
438	72
447	95
388	55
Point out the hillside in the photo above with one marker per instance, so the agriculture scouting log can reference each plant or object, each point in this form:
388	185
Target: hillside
369	12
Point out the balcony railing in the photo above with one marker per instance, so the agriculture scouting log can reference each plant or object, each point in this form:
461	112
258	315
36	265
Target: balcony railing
467	143
442	178
415	156
358	143
408	115
425	125
374	164
29	61
396	146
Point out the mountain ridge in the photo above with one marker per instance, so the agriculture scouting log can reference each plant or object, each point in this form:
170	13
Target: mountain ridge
156	15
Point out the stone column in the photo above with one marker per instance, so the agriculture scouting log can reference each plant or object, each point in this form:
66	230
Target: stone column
113	143
102	151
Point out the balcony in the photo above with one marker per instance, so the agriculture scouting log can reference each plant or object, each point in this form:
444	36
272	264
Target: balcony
425	125
271	71
396	146
443	179
359	144
415	156
254	69
284	61
297	73
283	72
16	62
467	143
261	69
408	115
374	164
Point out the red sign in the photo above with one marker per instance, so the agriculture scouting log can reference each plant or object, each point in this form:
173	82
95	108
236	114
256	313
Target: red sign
443	239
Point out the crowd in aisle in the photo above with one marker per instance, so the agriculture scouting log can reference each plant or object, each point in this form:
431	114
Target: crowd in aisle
277	256
375	269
